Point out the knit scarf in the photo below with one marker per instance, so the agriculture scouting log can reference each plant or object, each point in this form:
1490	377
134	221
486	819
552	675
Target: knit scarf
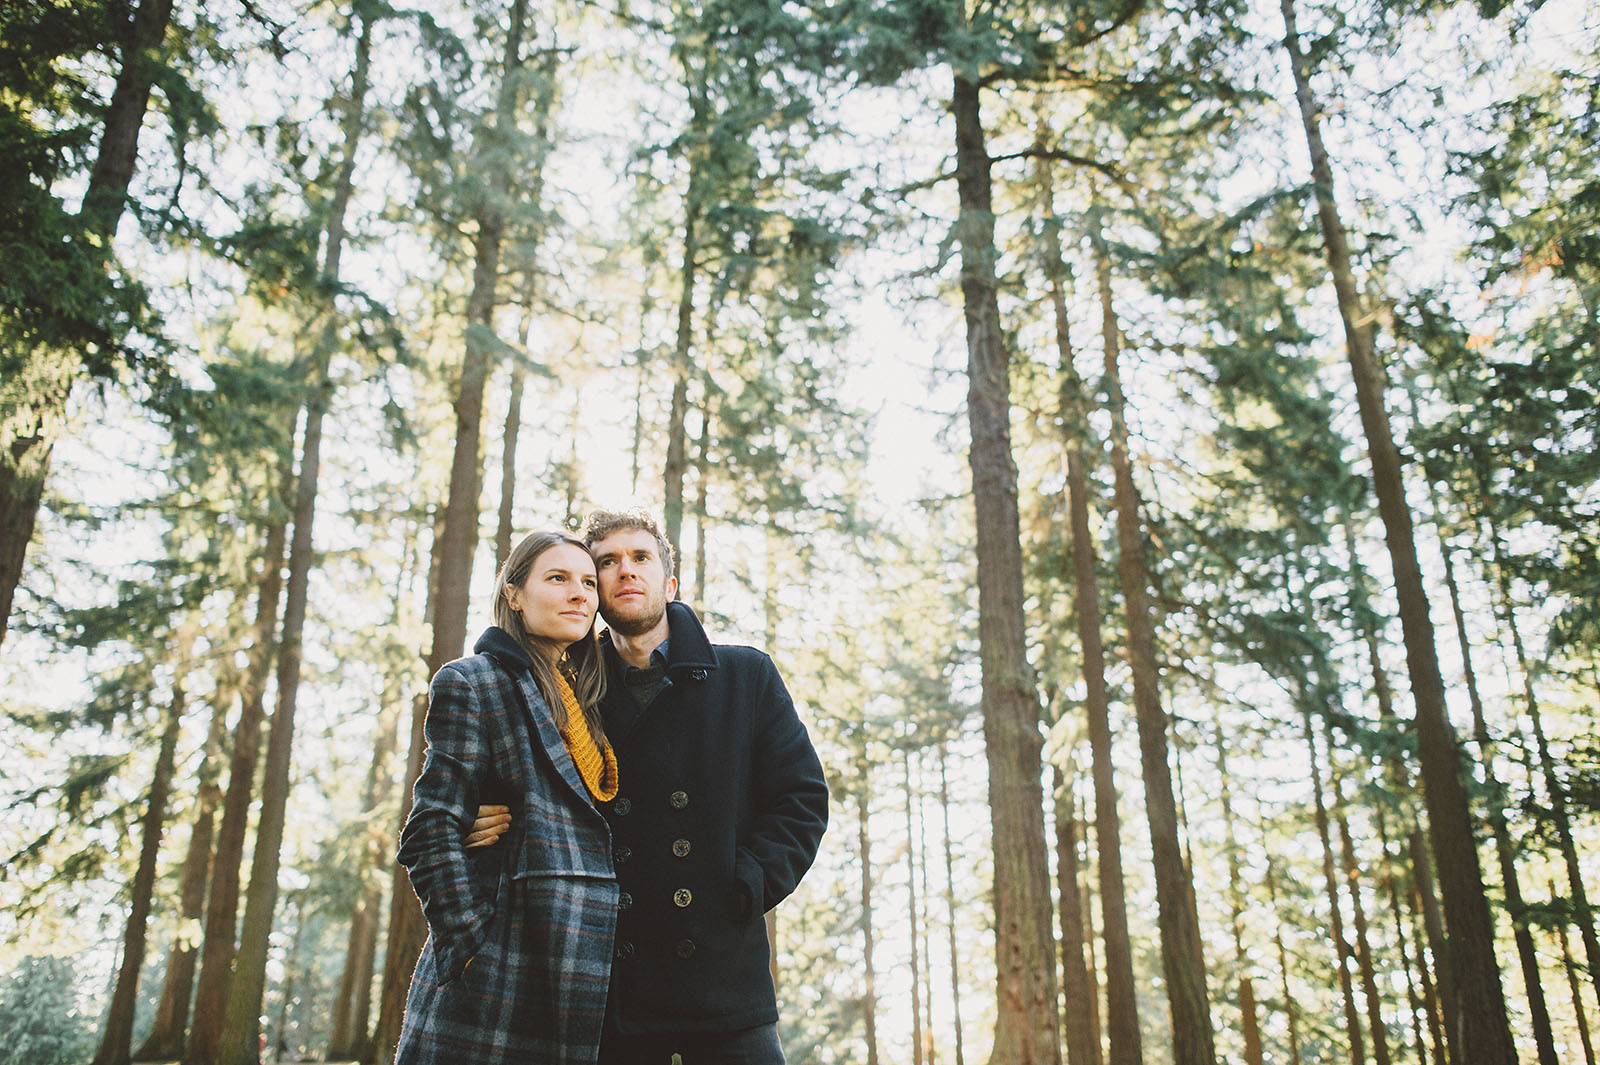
596	764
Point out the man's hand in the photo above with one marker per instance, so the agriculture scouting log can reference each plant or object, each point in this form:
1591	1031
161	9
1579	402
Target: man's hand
492	823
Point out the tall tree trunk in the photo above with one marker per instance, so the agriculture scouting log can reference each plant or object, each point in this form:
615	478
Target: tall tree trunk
222	902
1182	955
1433	926
1580	1013
1027	1027
28	434
1480	1005
1554	787
868	942
1505	852
677	461
1330	881
241	1035
118	1035
927	918
165	1041
458	538
950	903
1122	1007
1082	1047
1249	1023
1358	915
1291	1015
352	1004
508	466
911	915
1402	936
702	467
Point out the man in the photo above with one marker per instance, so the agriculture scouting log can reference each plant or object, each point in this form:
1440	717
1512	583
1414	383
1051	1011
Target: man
720	807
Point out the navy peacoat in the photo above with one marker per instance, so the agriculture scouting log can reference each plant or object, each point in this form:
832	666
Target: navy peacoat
534	915
721	806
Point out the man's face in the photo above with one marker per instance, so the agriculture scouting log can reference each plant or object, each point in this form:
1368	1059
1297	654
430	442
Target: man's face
634	586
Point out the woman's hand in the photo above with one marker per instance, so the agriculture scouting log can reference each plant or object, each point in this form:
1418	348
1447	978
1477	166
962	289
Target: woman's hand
492	823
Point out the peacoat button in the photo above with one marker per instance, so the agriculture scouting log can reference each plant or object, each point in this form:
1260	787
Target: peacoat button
622	806
684	948
681	897
624	901
698	674
624	949
622	854
680	848
678	799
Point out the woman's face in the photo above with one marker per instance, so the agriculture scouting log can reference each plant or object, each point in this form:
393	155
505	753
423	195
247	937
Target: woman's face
557	601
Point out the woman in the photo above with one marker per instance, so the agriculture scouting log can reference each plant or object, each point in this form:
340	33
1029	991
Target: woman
519	946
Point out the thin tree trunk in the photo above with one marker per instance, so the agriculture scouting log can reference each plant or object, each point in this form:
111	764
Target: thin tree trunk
1082	1047
1554	787
352	1004
1250	1024
1122	1008
1433	925
222	903
118	1035
508	466
1358	913
28	435
911	915
676	466
1505	853
864	843
240	1040
1027	1025
1580	1013
1480	1006
1291	1015
1182	955
1341	942
406	927
950	904
927	918
702	466
165	1041
457	541
1414	1002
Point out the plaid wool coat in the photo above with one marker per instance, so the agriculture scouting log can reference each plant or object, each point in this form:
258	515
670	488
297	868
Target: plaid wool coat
535	915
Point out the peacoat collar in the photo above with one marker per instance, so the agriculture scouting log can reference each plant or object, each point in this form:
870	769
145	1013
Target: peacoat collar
688	647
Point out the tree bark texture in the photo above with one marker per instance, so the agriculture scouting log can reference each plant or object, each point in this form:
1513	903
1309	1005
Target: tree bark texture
1505	853
165	1040
1182	955
869	1004
1122	1007
222	901
950	905
1480	1002
240	1042
1082	1046
1026	1028
116	1041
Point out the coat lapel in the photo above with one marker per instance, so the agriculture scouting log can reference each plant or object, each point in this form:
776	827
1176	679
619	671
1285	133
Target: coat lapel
547	738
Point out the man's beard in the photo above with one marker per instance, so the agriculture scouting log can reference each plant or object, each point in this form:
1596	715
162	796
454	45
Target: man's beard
631	627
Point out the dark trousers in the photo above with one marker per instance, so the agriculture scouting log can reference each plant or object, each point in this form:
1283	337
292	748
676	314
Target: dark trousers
750	1046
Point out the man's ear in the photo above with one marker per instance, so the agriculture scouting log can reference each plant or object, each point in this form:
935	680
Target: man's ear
672	588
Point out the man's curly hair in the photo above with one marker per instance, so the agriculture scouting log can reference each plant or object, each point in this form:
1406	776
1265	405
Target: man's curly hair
602	523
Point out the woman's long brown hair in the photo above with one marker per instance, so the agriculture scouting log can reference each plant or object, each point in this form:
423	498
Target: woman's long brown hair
580	663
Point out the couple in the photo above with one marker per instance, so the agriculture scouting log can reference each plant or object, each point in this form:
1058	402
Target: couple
656	794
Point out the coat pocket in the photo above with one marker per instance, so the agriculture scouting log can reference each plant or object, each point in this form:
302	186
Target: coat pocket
451	957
